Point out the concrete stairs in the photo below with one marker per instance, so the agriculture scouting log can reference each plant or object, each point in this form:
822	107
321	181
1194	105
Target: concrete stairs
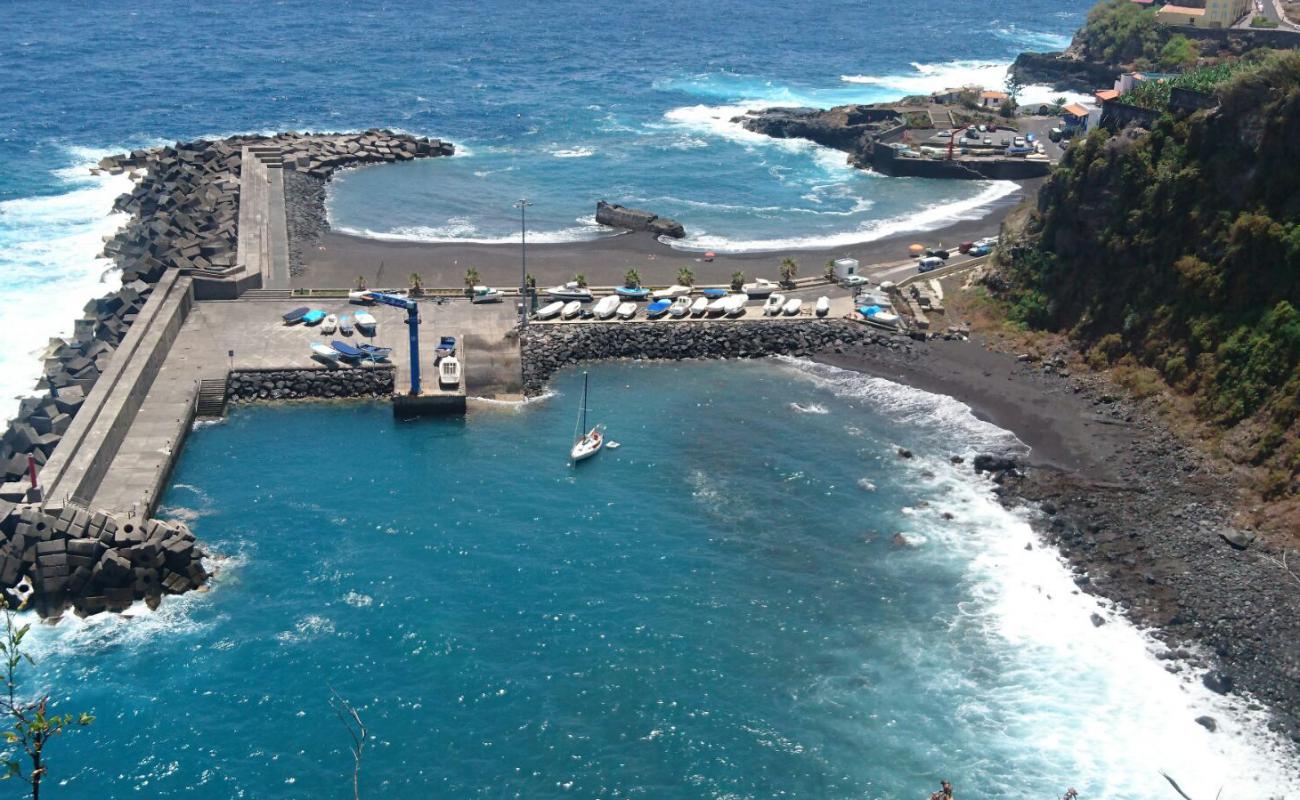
212	398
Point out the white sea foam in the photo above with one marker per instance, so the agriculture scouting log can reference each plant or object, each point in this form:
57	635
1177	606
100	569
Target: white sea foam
574	152
519	404
464	231
929	218
811	408
1094	696
48	255
927	78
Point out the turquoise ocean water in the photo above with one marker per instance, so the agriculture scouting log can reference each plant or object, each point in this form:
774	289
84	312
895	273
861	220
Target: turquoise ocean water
753	597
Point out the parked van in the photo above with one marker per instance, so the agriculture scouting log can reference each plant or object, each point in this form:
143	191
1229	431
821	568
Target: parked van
929	263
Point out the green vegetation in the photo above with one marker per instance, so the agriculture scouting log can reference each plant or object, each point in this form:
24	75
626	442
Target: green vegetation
1178	252
31	725
416	284
789	270
686	276
1260	21
1178	53
1122	33
1155	94
737	280
632	279
580	279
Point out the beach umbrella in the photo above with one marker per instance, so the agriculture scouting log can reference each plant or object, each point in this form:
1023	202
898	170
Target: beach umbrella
709	256
916	249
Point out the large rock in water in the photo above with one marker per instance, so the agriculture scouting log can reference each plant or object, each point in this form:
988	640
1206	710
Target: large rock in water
633	219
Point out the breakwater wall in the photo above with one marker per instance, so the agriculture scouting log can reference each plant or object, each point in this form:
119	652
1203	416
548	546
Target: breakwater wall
300	384
548	348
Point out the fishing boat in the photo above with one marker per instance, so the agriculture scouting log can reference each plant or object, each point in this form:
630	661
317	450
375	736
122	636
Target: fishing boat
713	294
672	292
587	444
360	296
446	347
736	304
449	373
345	325
879	316
295	316
626	310
485	294
570	309
606	307
717	306
549	310
700	307
823	306
632	292
365	322
324	351
760	288
313	317
792	307
375	353
569	291
772	305
680	307
658	308
347	351
329	324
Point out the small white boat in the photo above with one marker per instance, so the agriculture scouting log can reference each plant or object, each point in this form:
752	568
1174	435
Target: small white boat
330	324
485	294
569	291
589	443
882	317
760	288
718	306
792	307
570	309
549	310
364	320
680	307
736	304
324	351
772	306
606	307
672	292
360	296
823	306
700	307
626	310
449	372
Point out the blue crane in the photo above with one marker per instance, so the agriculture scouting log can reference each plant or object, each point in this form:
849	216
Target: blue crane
413	323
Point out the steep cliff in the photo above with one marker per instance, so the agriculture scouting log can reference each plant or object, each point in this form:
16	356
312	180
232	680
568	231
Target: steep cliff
1179	249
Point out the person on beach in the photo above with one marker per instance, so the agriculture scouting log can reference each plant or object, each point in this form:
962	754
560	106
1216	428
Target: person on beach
944	793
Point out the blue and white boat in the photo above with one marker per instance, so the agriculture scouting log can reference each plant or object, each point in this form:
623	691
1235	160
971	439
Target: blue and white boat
658	308
446	347
879	316
295	316
714	294
375	353
345	325
312	317
632	292
347	351
365	322
324	351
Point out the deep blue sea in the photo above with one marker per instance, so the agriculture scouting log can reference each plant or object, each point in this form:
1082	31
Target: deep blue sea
752	597
718	609
565	102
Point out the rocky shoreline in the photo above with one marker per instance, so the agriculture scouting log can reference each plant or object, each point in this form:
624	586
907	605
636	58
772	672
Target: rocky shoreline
1145	520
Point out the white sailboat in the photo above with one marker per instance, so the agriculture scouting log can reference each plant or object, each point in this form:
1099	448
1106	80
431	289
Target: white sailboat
587	444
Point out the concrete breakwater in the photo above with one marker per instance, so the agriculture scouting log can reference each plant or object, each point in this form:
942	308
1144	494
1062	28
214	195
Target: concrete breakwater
548	348
185	219
96	562
303	384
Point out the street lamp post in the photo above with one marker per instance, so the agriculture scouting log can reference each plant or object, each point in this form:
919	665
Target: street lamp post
523	205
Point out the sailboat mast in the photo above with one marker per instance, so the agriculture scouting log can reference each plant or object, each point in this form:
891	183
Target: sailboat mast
584	403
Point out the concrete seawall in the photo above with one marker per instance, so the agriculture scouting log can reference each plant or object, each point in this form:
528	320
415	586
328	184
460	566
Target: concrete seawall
78	465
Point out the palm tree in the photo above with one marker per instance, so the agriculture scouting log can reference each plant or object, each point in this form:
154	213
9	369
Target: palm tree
361	283
789	269
686	276
472	279
632	279
737	280
580	279
417	285
828	271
